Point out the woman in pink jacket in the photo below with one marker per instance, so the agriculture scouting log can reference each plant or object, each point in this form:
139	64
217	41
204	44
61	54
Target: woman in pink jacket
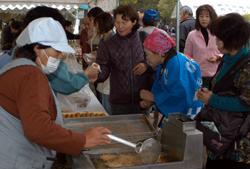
201	45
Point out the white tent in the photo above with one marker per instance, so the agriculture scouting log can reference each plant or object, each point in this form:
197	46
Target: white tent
68	7
221	7
107	5
28	4
18	8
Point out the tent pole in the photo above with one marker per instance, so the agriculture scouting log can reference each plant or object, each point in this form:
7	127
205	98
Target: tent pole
177	24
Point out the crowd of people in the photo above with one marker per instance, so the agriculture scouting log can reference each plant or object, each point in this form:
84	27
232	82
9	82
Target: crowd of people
131	65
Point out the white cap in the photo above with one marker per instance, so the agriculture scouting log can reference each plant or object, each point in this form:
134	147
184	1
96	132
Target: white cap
45	31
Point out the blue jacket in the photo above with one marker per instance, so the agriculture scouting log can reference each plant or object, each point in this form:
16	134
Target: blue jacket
175	86
5	57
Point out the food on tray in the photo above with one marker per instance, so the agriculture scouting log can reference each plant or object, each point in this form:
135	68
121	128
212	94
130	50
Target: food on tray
120	160
83	114
123	160
108	157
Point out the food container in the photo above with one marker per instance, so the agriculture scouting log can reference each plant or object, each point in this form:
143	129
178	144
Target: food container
82	114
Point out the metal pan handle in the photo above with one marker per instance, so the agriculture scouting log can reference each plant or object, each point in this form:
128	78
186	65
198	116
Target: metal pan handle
122	141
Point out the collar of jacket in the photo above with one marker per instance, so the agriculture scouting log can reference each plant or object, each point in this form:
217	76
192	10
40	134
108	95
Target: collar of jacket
189	18
128	35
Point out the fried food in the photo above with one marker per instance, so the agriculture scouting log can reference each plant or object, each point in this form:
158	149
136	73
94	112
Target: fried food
123	160
108	157
83	114
120	160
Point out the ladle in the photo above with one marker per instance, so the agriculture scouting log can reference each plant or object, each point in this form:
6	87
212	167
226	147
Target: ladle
149	150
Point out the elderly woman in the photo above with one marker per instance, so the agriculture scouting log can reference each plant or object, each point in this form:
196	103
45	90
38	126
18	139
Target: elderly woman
176	78
122	57
228	99
30	129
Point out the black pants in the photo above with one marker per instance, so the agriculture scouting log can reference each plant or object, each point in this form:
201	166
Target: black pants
226	164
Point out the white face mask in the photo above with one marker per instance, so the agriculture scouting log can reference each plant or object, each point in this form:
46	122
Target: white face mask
52	64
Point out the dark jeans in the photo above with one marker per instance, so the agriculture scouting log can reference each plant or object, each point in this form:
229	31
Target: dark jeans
119	109
226	164
104	99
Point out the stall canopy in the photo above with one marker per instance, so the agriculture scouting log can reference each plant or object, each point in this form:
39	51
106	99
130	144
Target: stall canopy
71	9
28	4
24	5
221	7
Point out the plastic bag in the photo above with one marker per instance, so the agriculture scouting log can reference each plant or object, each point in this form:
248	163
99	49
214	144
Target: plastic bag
73	65
89	58
75	102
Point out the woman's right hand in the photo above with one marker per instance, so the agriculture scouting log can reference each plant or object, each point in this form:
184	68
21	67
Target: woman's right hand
146	95
90	57
97	136
213	59
92	73
204	95
145	104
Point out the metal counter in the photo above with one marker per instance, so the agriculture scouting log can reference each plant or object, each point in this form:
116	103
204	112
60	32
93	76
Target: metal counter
179	138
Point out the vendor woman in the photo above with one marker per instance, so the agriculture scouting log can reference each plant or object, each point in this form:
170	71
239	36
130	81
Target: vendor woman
30	118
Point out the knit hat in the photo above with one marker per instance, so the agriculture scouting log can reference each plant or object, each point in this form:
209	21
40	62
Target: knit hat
151	15
158	42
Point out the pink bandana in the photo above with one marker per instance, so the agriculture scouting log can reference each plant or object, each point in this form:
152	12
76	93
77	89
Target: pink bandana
158	42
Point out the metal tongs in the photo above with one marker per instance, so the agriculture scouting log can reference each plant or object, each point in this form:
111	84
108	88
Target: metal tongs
149	150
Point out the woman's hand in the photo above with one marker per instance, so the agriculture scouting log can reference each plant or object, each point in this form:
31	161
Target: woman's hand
97	136
92	73
214	59
90	57
145	104
204	95
146	95
140	68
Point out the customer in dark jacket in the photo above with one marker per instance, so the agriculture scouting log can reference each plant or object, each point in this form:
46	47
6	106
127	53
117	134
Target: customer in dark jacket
187	24
122	58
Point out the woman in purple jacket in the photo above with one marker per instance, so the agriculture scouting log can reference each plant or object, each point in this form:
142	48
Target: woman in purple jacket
122	58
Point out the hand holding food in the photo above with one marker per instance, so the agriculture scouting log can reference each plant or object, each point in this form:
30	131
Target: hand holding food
91	73
140	68
89	57
204	95
146	95
96	66
213	59
145	104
